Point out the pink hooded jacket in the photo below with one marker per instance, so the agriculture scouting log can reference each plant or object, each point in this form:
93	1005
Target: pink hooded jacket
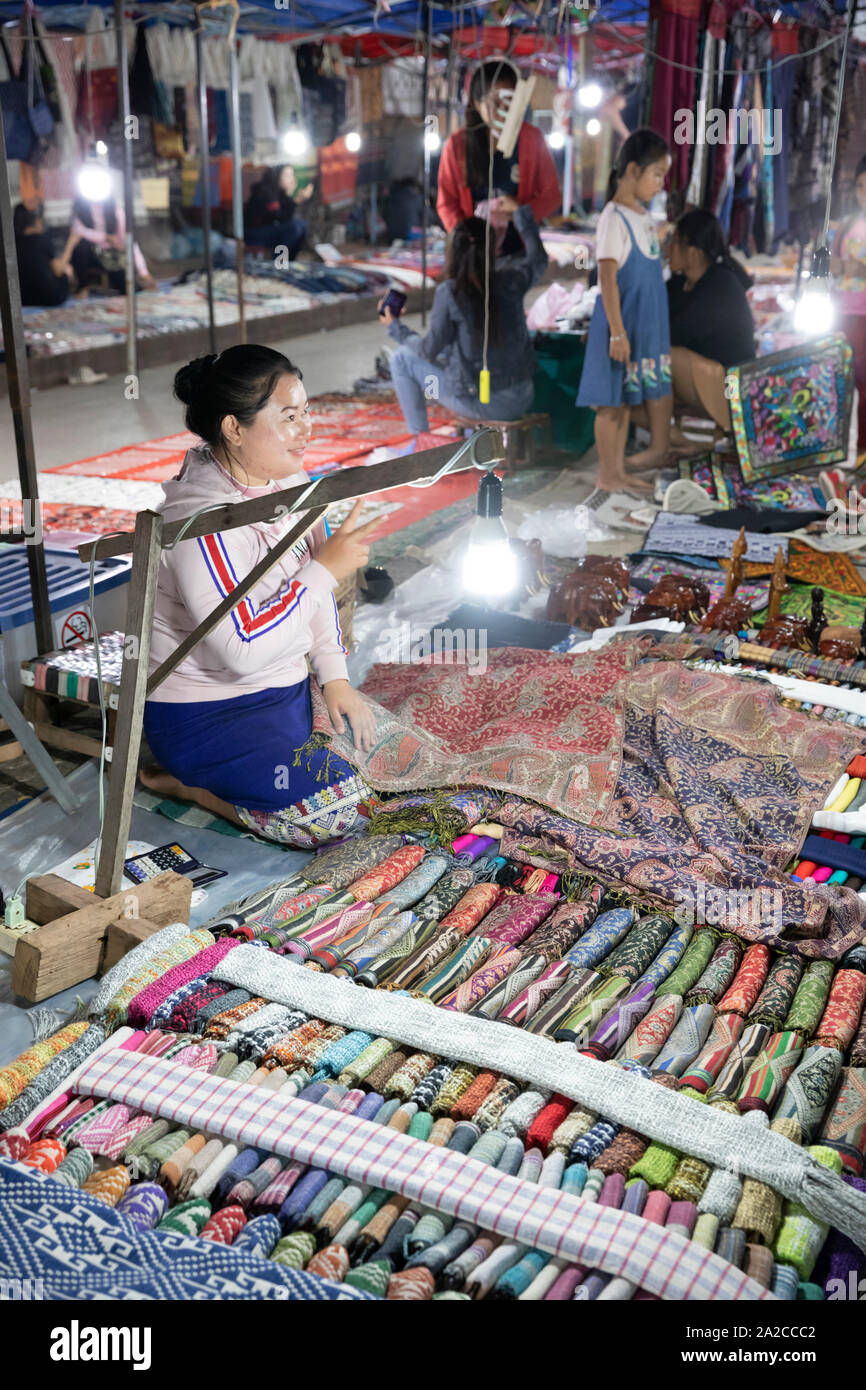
264	642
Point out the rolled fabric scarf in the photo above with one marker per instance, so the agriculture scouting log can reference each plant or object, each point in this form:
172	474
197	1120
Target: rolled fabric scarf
515	981
525	1005
445	896
51	1076
363	1066
841	1016
809	1002
145	1205
669	957
472	907
855	959
256	927
452	930
221	1004
607	931
801	1235
107	1186
844	1127
857	1050
24	1070
723	1037
579	1024
491	1110
129	964
456	968
726	1086
769	1072
639	949
652	1032
419	881
516	917
344	864
574	987
567	924
362	948
686	1039
300	926
748	982
808	1090
777	995
840	1260
185	1011
142	1006
621	1021
417	936
386	875
718	975
695	960
332	928
475	989
154	968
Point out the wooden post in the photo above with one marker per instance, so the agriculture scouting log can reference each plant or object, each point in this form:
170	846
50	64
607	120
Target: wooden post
130	709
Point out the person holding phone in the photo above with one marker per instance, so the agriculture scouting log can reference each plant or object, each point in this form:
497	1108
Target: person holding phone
230	726
271	217
482	298
526	178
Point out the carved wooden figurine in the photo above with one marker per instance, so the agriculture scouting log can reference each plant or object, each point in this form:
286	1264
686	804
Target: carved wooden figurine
735	573
818	620
674	596
780	632
584	601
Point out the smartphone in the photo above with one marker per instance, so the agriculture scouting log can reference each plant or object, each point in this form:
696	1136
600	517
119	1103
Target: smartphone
395	300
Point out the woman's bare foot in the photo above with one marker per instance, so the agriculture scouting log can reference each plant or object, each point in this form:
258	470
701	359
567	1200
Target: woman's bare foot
614	480
646	461
166	785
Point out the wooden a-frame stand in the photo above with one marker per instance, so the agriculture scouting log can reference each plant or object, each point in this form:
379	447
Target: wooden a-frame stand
152	535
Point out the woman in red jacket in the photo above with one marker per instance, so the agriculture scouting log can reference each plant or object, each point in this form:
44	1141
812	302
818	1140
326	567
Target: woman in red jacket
528	175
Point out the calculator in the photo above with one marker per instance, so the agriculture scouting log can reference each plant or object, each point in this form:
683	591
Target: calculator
142	867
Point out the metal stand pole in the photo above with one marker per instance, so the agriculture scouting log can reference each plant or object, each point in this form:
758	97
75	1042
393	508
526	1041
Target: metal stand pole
428	15
237	182
18	378
204	179
128	188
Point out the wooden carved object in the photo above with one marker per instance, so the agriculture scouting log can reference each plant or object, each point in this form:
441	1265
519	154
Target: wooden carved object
735	573
584	601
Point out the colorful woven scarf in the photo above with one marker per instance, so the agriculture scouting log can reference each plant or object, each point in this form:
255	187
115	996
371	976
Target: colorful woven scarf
345	863
840	1018
516	917
640	948
845	1125
748	982
809	1002
779	991
808	1090
718	974
723	1038
694	962
769	1072
386	875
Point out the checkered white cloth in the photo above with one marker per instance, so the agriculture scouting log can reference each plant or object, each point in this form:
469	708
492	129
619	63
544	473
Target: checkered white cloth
558	1223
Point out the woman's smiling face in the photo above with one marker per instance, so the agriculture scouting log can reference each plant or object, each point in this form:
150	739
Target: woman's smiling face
273	446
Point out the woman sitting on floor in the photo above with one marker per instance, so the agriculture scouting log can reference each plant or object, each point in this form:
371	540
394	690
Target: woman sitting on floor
228	722
445	364
46	279
711	322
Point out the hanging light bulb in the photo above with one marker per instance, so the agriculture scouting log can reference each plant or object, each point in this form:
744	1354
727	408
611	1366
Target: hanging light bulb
813	313
489	564
589	96
593	126
296	142
432	138
353	142
94	177
101	147
556	140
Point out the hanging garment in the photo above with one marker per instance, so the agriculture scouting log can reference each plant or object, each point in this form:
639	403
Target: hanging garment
784	74
695	190
674	87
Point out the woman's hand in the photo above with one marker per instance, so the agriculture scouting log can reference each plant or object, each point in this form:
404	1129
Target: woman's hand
384	311
506	206
345	703
620	349
347	549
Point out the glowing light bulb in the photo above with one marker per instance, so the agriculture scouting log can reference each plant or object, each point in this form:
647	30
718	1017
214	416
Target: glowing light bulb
593	126
556	140
590	95
814	310
101	147
94	182
489	568
432	140
296	142
353	142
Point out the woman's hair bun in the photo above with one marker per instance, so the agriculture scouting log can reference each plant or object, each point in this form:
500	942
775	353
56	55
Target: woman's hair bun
189	380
